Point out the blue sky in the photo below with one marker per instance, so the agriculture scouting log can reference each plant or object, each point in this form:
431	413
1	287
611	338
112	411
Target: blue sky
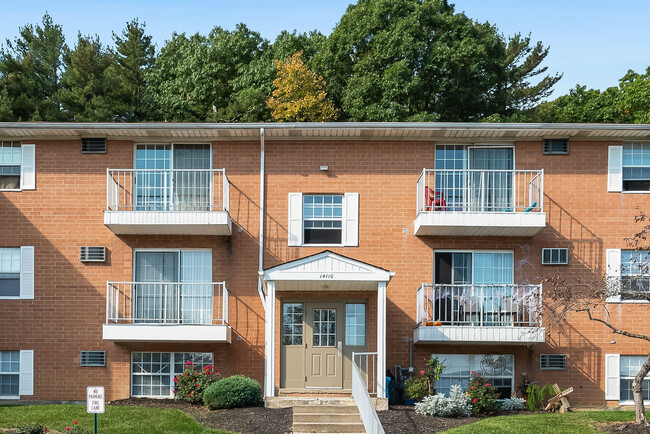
592	42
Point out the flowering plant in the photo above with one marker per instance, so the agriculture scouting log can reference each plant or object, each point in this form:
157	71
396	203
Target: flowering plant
76	429
190	385
482	395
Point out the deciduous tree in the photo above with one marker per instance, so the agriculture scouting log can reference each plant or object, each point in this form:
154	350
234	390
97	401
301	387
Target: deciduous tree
299	94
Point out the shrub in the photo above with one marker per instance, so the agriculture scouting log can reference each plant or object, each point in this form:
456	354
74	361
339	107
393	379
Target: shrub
396	392
191	384
416	388
34	428
439	405
483	397
433	372
513	404
537	395
231	392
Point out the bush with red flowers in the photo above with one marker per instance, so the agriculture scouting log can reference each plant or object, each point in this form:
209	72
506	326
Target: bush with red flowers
190	385
482	395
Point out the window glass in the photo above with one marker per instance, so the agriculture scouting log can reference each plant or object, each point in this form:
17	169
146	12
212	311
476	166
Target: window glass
323	219
9	373
324	327
630	366
355	324
635	274
498	368
9	272
636	166
10	161
152	374
292	318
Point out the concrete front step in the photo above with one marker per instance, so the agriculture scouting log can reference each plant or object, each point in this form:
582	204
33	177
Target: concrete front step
326	417
326	409
330	427
287	401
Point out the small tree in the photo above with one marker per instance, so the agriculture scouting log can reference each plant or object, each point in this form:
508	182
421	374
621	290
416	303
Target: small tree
299	94
590	296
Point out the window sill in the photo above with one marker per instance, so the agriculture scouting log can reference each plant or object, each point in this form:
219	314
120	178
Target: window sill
627	301
9	397
20	189
635	192
322	245
10	297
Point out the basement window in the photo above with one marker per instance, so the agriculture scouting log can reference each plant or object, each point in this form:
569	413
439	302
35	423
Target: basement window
552	362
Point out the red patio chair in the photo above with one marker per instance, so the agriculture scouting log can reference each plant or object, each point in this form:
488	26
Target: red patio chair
435	200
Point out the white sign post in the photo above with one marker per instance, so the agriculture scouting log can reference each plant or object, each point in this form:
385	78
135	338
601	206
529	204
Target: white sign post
95	401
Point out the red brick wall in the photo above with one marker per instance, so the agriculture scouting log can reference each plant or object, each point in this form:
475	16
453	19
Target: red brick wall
66	211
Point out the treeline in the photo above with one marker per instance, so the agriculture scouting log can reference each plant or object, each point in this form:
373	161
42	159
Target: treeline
386	60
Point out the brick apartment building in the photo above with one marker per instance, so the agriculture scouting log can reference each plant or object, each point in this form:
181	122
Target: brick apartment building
278	250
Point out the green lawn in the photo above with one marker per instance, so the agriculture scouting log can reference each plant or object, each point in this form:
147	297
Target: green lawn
570	423
117	419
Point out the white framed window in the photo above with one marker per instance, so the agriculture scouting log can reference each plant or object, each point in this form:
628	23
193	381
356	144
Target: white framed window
17	166
498	368
629	167
323	219
620	370
355	324
292	319
555	256
152	374
628	273
16	374
17	272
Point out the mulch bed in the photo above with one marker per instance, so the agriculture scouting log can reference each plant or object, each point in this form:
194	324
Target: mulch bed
242	420
403	419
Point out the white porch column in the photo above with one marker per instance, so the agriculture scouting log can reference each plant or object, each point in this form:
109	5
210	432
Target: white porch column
381	339
269	341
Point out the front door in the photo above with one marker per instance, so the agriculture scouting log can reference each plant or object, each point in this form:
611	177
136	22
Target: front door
324	345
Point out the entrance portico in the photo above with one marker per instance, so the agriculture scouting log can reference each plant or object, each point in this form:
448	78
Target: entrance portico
320	309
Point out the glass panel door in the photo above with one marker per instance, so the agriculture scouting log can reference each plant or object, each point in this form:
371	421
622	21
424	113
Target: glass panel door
495	272
196	300
192	178
156	302
153	177
491	179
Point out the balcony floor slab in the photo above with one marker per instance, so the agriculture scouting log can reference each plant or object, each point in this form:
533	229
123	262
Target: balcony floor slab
478	335
167	333
168	222
508	224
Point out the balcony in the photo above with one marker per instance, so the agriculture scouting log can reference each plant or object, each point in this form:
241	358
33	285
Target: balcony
166	312
485	314
480	203
173	202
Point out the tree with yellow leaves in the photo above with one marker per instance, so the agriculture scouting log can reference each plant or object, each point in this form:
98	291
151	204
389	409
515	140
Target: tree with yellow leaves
299	94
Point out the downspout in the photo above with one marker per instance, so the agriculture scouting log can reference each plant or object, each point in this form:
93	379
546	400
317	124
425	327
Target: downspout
261	236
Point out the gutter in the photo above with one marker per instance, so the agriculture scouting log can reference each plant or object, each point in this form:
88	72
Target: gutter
261	235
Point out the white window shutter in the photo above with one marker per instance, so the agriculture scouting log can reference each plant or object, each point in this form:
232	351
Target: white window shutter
28	168
295	219
26	381
612	377
351	219
613	258
27	272
615	169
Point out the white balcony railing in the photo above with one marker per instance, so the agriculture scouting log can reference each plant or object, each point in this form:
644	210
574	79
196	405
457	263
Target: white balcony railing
155	303
479	305
480	191
167	190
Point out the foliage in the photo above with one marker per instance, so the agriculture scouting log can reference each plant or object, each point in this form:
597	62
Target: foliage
117	419
537	395
231	392
482	395
439	405
75	428
32	428
396	392
433	371
30	72
299	94
416	387
513	404
191	384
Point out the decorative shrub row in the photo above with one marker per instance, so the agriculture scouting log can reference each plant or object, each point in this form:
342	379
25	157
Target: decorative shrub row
231	392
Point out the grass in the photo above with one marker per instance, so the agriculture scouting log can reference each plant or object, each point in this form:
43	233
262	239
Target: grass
117	419
570	423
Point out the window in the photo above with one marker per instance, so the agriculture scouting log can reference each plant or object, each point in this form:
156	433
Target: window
555	256
17	166
17	272
292	318
323	219
636	167
635	275
152	374
499	368
16	374
552	362
355	324
630	366
184	294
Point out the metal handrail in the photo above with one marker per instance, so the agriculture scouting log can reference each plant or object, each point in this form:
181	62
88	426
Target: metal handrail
361	394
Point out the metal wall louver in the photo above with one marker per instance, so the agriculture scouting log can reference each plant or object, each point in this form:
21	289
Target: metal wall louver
92	253
92	358
555	256
552	362
555	146
93	146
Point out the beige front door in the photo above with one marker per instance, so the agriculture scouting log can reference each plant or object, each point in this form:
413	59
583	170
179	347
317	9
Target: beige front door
324	345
